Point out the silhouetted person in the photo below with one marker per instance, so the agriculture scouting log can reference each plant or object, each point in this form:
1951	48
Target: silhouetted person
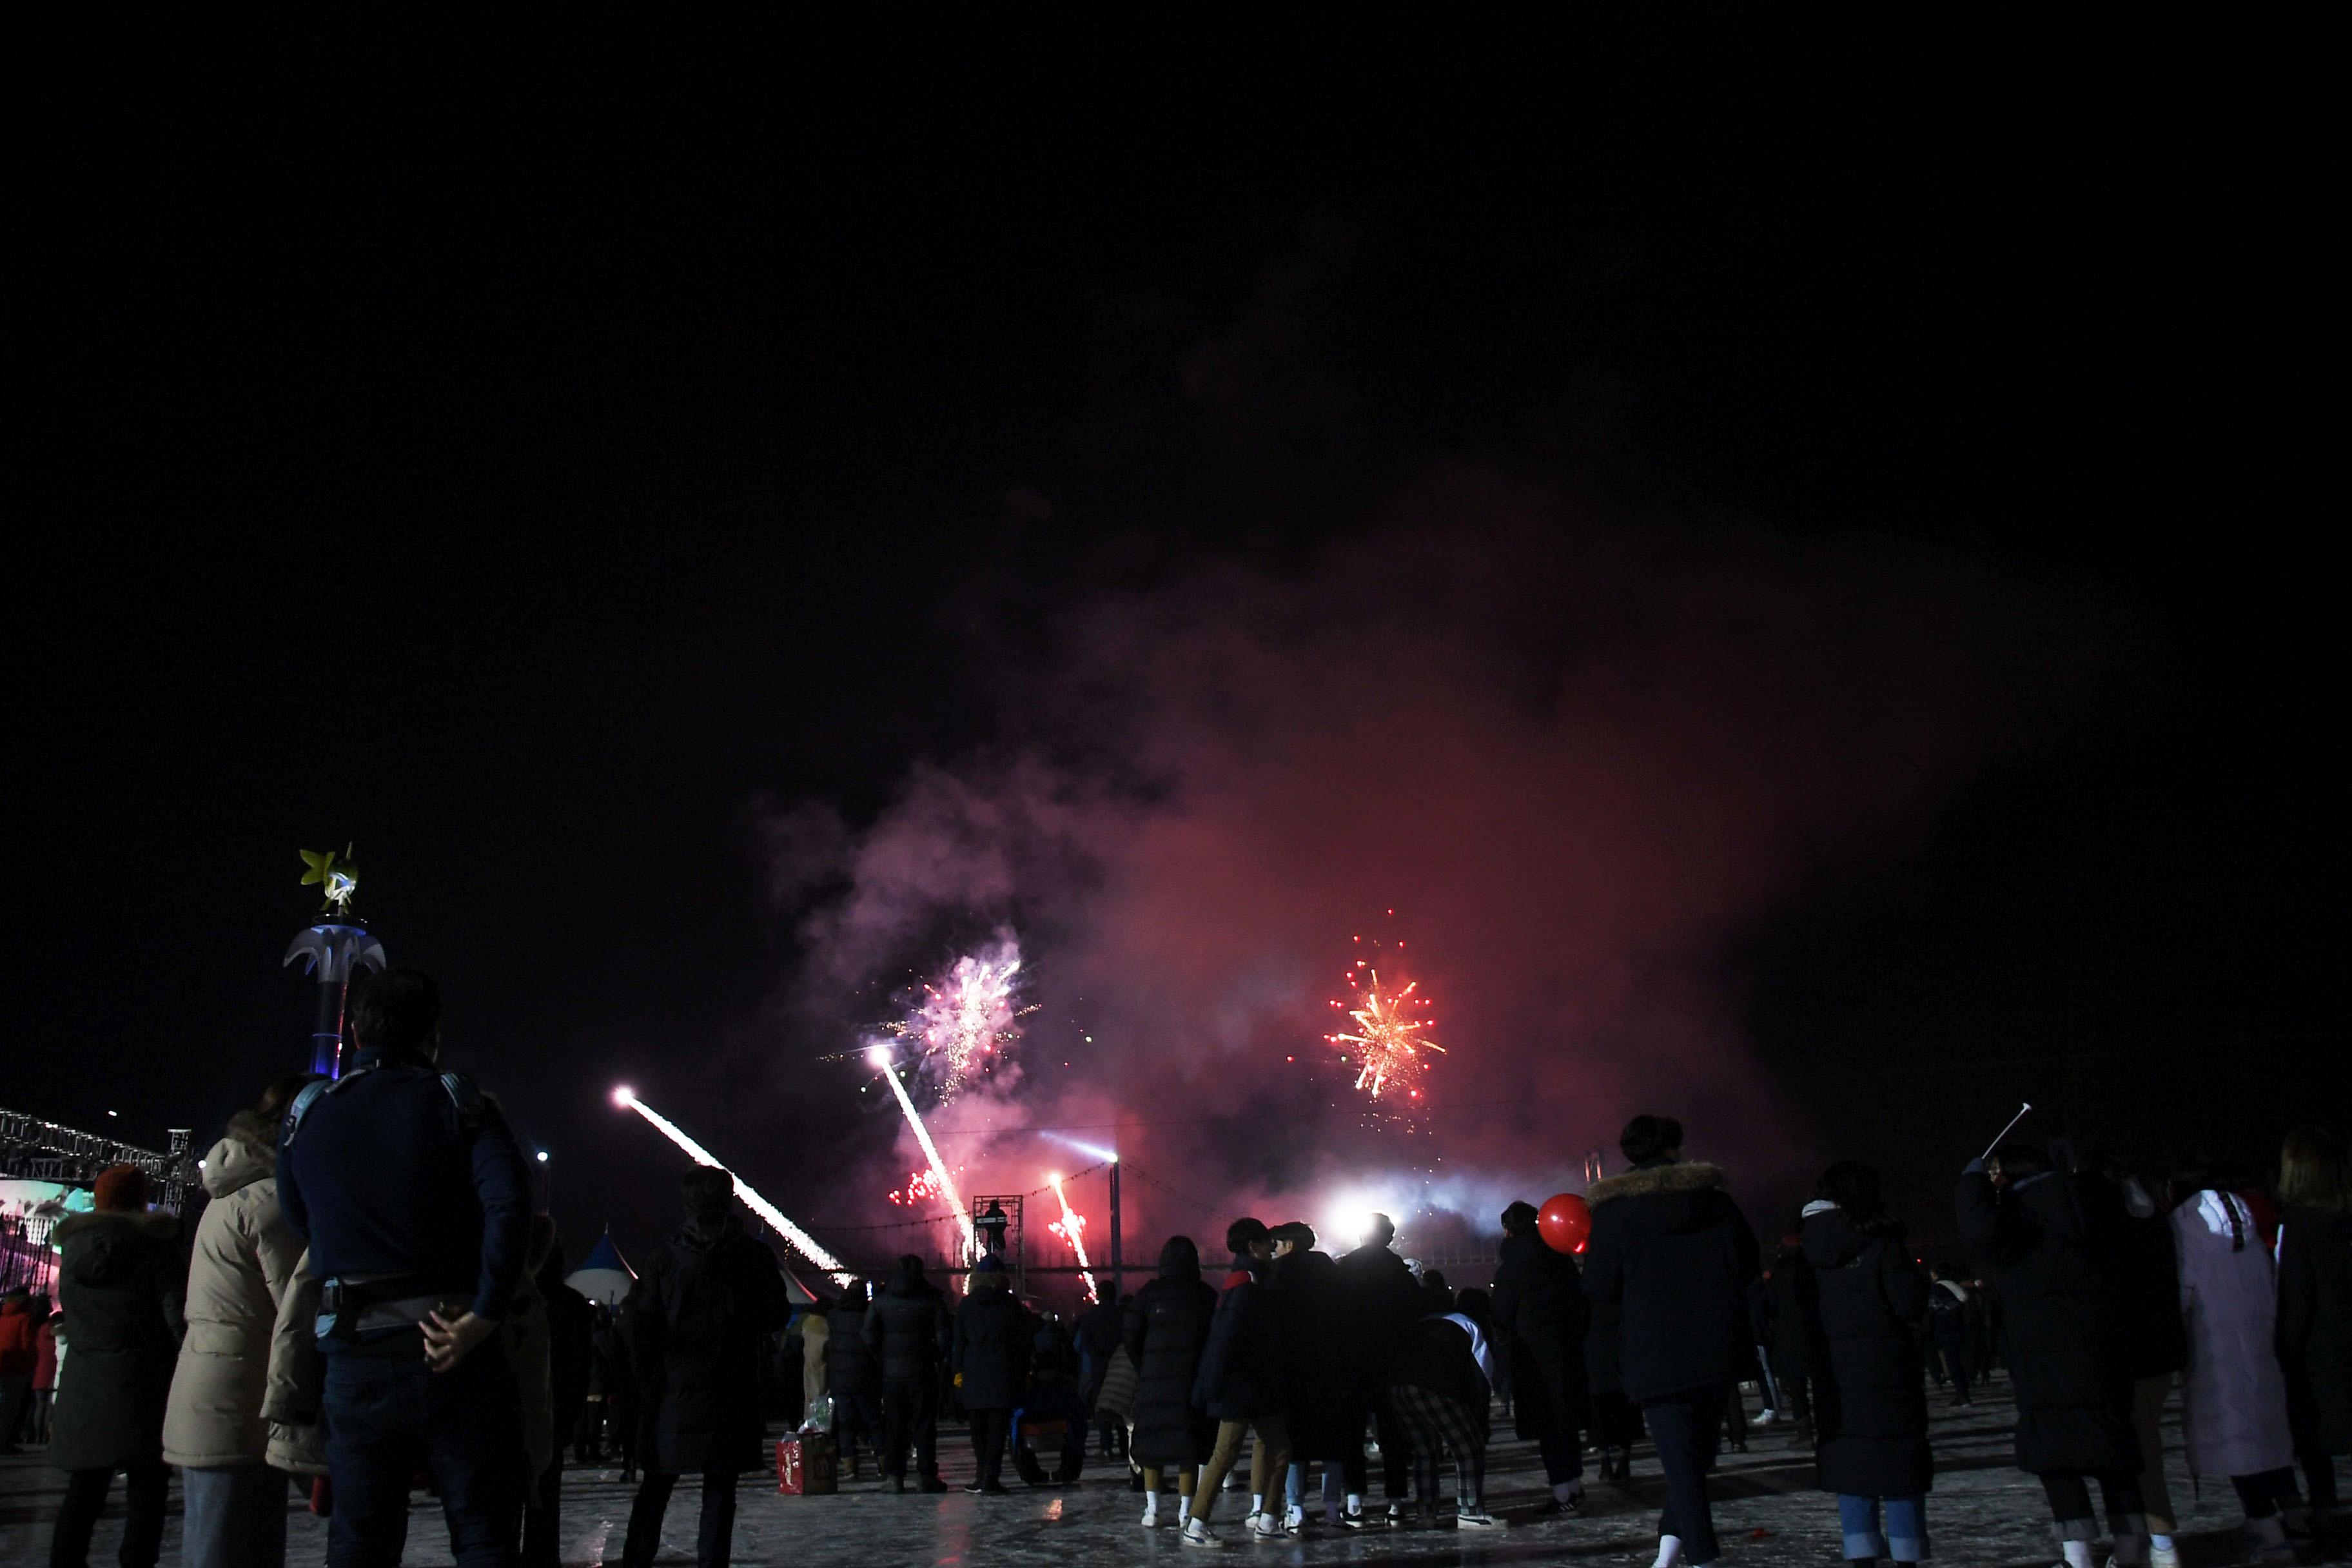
909	1329
416	1202
703	1310
1675	1253
120	1279
2056	1245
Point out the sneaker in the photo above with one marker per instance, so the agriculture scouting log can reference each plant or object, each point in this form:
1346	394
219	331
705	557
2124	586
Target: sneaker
1151	1514
1265	1527
1354	1520
974	1488
1295	1517
1476	1519
1396	1515
2164	1557
1199	1534
933	1484
995	1488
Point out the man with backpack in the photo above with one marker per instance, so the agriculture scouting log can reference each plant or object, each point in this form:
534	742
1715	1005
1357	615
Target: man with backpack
414	1201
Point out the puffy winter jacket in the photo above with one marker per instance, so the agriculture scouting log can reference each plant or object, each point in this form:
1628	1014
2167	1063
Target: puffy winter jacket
2055	1246
1672	1250
1167	1329
908	1327
120	1280
992	1343
1862	1318
2232	1393
245	1254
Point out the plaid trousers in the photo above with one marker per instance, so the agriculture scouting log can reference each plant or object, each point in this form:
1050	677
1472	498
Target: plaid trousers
1438	1421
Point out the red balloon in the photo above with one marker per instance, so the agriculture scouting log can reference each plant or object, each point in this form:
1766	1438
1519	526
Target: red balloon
1565	1223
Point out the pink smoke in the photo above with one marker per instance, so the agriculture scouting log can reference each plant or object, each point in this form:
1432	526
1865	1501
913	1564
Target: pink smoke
1578	760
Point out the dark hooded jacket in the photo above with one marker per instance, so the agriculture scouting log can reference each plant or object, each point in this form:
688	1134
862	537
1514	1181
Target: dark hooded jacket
1672	1250
1308	1309
850	1367
1167	1329
1862	1314
1241	1373
701	1315
1099	1327
121	1281
1542	1317
2053	1243
992	1335
908	1327
1380	1299
2314	1326
1791	1290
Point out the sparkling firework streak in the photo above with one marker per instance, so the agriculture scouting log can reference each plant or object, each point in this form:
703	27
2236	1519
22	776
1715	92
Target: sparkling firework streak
1072	1229
799	1240
881	1057
1390	1045
965	1023
922	1188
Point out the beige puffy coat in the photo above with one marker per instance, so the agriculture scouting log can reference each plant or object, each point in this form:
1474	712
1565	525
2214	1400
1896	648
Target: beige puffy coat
245	1256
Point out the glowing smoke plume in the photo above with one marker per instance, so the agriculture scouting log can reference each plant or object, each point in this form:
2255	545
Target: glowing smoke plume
799	1239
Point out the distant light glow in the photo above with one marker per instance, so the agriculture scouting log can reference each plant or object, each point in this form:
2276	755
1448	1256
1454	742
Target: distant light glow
799	1240
1092	1151
625	1097
542	1156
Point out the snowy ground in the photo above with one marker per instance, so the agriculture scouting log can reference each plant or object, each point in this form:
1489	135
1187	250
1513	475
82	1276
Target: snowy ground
1982	1512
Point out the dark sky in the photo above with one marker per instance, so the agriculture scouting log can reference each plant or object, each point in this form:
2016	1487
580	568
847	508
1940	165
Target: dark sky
543	460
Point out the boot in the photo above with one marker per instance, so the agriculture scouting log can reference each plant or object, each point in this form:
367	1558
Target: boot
2268	1538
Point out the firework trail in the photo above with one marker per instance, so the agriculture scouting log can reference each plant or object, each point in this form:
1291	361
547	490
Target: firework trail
881	1057
799	1239
1388	1045
1072	1229
966	1022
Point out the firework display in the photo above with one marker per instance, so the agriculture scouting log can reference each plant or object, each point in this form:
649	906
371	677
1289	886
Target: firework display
946	1187
965	1023
1390	1048
799	1239
1071	1228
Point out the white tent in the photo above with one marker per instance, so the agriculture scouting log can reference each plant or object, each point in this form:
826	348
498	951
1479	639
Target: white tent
605	1276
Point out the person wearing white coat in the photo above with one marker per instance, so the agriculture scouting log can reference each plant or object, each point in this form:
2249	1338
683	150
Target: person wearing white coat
2233	1394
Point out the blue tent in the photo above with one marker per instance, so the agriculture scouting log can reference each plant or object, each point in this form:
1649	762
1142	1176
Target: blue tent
606	1275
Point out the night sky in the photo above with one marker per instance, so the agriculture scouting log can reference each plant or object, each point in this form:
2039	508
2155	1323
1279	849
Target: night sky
605	474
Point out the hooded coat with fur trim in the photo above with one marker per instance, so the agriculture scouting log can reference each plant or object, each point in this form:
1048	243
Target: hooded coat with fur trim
245	1254
120	1282
1672	1250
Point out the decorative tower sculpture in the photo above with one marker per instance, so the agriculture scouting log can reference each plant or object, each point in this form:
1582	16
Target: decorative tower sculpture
336	947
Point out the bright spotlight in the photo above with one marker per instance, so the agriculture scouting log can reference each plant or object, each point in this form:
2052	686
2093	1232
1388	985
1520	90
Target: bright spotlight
878	1056
542	1156
625	1097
